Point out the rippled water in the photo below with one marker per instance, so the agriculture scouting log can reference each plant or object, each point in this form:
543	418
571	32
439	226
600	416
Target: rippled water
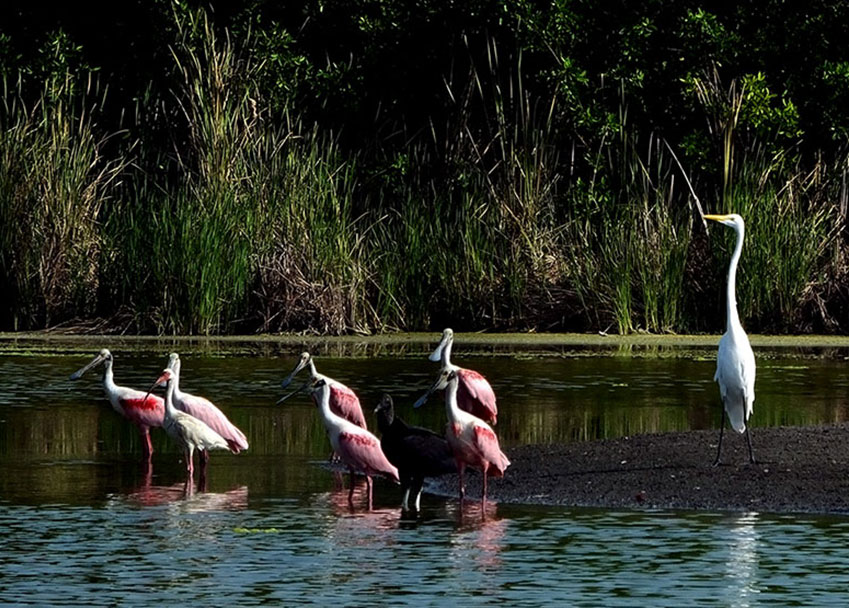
84	523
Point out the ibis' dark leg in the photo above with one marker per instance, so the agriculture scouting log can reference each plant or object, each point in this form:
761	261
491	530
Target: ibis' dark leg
202	480
749	441
351	490
721	429
204	457
416	492
405	486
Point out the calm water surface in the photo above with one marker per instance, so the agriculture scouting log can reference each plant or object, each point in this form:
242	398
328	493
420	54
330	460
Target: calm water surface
84	523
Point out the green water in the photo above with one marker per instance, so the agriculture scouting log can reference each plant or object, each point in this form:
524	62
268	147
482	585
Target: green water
85	523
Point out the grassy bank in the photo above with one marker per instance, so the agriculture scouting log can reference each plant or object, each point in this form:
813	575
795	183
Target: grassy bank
216	212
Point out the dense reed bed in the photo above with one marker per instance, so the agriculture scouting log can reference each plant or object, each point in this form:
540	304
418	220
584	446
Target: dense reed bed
215	211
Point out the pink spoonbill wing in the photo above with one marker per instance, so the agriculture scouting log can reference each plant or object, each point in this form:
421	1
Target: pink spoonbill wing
362	452
205	411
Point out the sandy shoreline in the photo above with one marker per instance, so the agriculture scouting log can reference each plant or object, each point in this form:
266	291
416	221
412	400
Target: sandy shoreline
798	469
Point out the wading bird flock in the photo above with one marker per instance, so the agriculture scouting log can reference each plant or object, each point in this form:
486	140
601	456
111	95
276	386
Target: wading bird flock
404	454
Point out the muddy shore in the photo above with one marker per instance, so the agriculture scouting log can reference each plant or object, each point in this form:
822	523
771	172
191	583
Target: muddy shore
798	469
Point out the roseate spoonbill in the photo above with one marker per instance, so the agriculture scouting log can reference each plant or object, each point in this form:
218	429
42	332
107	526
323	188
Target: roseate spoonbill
735	361
145	411
416	451
204	410
343	401
357	448
185	429
474	394
472	440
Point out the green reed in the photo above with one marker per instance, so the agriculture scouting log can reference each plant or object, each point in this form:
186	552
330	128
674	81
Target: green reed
628	236
246	221
54	180
790	226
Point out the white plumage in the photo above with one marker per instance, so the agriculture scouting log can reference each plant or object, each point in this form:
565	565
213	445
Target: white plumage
735	361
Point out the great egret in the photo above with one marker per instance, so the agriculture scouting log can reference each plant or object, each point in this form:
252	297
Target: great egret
735	361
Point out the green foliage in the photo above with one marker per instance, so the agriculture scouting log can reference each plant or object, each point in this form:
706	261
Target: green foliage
53	183
500	163
790	225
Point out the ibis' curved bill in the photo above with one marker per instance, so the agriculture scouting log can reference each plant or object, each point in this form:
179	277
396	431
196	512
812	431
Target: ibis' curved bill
165	377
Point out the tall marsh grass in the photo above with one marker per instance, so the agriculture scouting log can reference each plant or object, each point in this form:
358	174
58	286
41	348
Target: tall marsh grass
251	222
629	233
54	180
791	223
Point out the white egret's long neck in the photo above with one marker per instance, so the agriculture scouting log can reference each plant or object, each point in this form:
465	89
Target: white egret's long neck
451	408
313	373
733	318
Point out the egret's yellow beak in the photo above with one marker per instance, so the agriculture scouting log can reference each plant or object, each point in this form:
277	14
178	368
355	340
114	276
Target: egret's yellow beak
717	218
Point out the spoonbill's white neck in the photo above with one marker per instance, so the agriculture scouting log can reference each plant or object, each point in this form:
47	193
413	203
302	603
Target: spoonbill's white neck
108	376
327	414
452	410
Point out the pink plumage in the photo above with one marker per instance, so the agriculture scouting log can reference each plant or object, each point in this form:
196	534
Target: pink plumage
475	395
207	412
472	440
357	448
490	451
345	403
130	403
204	410
142	412
363	451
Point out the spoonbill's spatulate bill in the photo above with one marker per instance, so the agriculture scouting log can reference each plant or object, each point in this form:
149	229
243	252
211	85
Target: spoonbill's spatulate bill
474	393
145	411
343	401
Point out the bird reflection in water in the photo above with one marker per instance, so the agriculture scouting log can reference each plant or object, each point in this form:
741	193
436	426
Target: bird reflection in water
478	538
350	527
349	500
147	494
741	572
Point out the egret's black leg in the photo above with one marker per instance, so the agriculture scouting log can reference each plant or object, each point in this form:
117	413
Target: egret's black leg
749	440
